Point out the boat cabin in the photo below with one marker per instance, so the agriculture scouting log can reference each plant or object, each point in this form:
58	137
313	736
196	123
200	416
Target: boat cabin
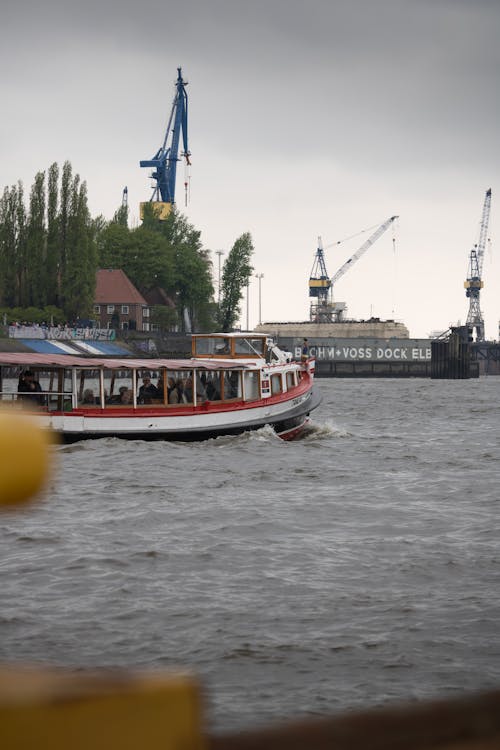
225	368
234	345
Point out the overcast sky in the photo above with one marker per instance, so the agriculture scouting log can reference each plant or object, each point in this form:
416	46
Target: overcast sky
306	119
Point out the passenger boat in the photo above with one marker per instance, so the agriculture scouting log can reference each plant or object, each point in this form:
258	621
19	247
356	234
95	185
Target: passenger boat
232	383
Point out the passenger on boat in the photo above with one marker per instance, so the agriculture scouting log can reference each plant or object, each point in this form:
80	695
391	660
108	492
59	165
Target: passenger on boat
125	395
305	351
147	391
29	389
88	396
172	392
187	391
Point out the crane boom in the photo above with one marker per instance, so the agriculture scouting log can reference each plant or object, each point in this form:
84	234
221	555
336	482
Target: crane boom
364	247
478	250
164	162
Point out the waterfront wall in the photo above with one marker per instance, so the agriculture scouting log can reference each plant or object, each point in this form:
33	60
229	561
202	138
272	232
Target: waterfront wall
365	357
373	328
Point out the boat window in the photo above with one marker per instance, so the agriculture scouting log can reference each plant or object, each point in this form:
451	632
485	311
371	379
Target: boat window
290	380
179	386
64	387
250	347
118	387
149	387
276	386
232	384
55	384
251	385
212	382
212	346
88	387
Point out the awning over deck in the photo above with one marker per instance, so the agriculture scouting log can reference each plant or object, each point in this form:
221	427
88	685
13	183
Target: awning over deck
41	361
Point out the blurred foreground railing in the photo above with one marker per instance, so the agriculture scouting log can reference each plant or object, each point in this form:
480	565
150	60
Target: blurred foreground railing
46	709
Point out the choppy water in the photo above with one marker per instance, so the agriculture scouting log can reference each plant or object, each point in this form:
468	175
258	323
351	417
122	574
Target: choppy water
358	566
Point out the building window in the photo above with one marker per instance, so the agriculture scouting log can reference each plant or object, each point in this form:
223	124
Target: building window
124	309
155	327
97	309
145	326
110	309
145	312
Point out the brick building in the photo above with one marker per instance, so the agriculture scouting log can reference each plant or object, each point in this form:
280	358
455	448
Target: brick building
118	304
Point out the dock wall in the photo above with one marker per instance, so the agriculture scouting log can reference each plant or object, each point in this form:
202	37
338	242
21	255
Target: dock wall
365	357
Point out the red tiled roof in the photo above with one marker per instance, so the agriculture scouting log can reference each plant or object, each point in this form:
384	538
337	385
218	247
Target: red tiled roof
114	287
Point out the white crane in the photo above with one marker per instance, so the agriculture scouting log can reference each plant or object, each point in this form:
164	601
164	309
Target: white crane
320	286
474	282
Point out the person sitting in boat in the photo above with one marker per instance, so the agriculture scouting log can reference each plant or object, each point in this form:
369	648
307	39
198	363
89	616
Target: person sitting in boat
125	395
147	391
29	389
187	390
88	396
172	391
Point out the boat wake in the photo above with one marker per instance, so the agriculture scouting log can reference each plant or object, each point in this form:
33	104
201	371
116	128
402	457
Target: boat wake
264	434
322	430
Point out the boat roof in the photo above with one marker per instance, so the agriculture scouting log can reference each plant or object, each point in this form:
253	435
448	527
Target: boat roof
232	335
26	359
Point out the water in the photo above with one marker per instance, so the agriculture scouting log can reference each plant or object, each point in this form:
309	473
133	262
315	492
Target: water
356	567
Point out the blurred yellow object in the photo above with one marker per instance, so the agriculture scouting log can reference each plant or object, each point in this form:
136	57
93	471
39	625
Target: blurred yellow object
48	709
24	457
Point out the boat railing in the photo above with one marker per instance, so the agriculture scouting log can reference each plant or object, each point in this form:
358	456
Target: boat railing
50	400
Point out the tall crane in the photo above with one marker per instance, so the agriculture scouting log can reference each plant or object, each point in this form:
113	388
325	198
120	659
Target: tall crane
474	282
321	287
319	281
164	162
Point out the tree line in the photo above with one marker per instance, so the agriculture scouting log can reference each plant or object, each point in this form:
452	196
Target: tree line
51	248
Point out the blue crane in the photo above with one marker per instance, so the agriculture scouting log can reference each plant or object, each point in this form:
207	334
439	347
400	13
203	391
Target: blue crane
164	162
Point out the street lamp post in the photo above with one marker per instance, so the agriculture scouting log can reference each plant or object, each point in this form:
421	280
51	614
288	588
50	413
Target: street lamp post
248	305
260	276
219	253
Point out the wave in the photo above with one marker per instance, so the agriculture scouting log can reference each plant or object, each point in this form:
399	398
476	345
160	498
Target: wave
327	429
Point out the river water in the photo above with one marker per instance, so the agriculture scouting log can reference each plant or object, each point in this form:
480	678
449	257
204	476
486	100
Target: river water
353	568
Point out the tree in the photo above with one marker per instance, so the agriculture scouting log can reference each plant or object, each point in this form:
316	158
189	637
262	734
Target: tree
53	256
79	271
236	273
36	237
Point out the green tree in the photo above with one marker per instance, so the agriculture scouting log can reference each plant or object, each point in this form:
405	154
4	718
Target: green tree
21	256
79	272
53	254
193	273
36	237
236	273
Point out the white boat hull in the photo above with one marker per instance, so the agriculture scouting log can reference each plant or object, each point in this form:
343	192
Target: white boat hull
288	418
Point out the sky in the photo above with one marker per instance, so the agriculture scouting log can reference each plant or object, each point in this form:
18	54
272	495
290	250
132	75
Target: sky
306	119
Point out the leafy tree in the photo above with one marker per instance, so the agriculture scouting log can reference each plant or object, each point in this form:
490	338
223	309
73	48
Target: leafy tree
81	256
236	273
21	259
164	317
36	236
53	253
121	216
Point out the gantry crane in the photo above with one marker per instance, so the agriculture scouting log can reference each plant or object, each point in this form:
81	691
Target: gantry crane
324	310
474	282
164	162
